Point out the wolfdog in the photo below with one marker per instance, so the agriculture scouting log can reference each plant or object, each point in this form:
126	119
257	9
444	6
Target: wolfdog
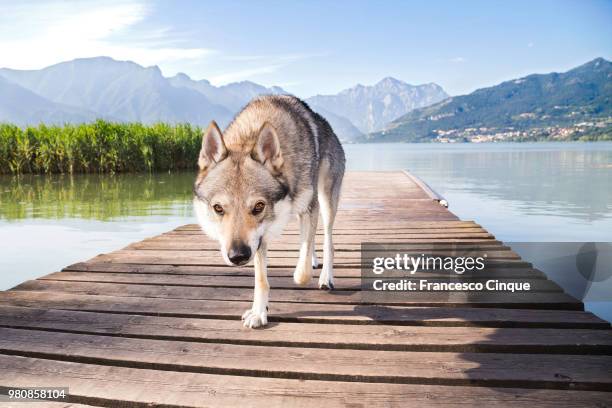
275	160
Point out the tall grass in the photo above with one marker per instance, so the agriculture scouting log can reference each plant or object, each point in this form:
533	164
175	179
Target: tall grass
98	147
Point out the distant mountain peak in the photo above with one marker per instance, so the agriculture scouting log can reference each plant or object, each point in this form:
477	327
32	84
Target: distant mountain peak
597	61
247	82
97	60
278	89
390	81
182	76
101	58
233	96
596	64
372	107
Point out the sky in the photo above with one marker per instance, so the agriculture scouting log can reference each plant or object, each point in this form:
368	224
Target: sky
315	47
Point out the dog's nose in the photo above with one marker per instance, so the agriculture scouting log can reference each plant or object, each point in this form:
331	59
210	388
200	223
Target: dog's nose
239	254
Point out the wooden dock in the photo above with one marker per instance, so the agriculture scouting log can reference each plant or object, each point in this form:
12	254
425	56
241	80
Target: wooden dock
157	323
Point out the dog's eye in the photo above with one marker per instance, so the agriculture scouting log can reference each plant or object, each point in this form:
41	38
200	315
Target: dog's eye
259	207
218	209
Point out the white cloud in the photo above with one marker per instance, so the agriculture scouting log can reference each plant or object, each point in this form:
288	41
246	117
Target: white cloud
530	45
34	34
457	59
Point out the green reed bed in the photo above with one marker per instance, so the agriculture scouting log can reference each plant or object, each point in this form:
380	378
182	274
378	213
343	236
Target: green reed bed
98	147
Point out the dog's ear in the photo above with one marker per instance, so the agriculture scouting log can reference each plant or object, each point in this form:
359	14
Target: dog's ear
213	148
267	149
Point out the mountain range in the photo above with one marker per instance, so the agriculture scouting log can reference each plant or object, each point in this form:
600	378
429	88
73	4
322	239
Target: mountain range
232	96
570	105
84	89
114	90
22	106
370	108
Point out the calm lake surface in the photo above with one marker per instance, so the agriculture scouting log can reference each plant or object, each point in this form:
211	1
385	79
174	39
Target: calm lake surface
522	192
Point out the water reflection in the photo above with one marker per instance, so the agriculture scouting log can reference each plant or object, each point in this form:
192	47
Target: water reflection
48	222
562	179
571	180
99	197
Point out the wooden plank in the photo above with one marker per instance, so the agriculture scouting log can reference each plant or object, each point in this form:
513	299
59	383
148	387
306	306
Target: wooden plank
537	285
361	208
214	258
381	237
426	189
146	387
367	337
373	233
172	257
352	242
174	248
501	272
311	313
162	242
485	369
342	250
411	245
533	300
40	403
407	216
382	225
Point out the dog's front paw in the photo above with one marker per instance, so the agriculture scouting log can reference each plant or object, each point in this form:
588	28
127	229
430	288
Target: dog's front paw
326	280
302	274
326	285
254	319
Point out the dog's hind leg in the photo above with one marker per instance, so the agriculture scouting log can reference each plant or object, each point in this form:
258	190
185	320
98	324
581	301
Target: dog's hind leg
329	195
308	228
257	315
315	261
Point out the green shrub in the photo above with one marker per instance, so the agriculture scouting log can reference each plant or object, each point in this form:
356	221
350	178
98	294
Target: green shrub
98	147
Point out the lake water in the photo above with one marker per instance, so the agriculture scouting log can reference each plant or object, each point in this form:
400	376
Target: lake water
523	192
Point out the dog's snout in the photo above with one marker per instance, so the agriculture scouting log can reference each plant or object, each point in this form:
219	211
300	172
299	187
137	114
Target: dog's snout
239	253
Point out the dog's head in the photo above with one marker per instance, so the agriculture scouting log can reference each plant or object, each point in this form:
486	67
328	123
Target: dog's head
241	197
